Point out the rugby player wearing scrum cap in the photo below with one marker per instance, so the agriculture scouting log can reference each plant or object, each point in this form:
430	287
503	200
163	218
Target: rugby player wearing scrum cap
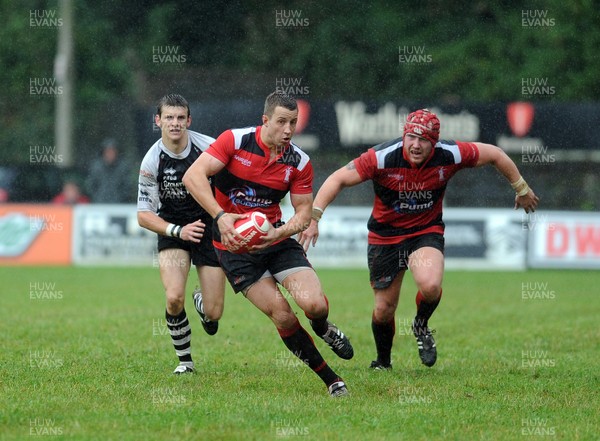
406	230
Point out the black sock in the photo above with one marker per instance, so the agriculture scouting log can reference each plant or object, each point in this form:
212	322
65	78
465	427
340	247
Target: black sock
424	311
320	326
181	334
299	342
384	338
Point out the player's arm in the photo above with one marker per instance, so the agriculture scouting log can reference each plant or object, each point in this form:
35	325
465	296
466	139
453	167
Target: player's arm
346	176
192	232
197	183
302	204
490	154
196	180
148	202
149	198
151	221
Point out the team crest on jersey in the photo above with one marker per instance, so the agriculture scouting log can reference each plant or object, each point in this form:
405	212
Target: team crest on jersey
246	196
441	174
288	172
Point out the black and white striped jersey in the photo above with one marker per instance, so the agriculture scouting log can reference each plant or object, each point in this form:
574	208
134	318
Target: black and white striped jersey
160	186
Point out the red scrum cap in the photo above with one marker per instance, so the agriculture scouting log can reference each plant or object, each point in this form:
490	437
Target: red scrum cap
424	124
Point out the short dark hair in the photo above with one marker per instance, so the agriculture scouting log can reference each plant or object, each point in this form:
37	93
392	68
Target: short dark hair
279	98
173	100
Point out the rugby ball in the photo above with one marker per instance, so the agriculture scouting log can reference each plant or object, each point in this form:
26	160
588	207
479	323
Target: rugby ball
252	227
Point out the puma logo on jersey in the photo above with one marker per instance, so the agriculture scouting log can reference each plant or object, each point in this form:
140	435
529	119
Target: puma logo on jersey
247	197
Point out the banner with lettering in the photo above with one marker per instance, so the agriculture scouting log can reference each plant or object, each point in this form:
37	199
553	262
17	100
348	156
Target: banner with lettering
564	240
110	235
475	239
525	127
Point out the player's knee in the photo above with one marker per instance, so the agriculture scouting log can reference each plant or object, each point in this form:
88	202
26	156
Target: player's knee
384	312
316	308
213	312
283	319
431	291
175	303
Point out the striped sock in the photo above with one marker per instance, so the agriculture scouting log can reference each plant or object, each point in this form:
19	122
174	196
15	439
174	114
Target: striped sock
181	334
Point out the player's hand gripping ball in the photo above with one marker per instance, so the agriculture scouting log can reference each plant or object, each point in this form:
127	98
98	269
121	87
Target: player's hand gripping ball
252	227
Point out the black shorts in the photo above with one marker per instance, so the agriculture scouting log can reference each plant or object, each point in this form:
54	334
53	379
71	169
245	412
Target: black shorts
386	261
243	270
202	254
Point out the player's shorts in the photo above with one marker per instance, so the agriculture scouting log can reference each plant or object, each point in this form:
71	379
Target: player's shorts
386	261
202	254
244	270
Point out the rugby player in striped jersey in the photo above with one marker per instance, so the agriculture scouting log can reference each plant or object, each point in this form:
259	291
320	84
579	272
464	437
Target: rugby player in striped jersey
183	227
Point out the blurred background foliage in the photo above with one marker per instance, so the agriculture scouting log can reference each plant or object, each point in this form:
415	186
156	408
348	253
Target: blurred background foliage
349	49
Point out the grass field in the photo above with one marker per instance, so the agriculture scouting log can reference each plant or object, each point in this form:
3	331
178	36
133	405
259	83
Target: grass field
85	355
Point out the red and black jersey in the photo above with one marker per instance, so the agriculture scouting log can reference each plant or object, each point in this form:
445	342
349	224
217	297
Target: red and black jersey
249	181
408	199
